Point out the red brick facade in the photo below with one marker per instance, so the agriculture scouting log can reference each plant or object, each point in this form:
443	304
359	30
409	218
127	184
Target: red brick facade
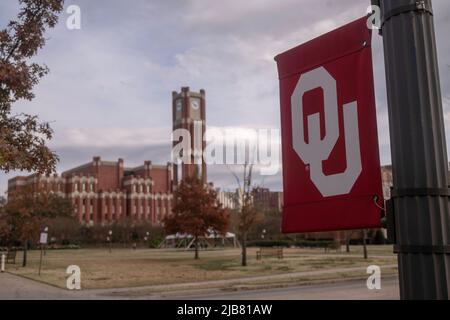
189	108
104	191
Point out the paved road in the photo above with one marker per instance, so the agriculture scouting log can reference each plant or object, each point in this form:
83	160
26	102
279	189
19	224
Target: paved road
18	288
347	290
15	288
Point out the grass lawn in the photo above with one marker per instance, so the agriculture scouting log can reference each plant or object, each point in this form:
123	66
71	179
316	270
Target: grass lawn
142	267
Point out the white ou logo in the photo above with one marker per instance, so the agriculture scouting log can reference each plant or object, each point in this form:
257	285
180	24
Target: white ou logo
74	280
317	150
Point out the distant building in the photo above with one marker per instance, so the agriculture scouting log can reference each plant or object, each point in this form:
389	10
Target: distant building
227	199
106	191
268	200
386	180
262	198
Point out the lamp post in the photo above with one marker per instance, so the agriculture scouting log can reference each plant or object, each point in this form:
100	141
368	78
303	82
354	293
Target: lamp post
147	238
419	150
109	240
418	147
263	234
45	246
42	241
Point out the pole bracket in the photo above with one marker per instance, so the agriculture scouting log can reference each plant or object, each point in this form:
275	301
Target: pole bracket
420	192
418	6
422	249
389	220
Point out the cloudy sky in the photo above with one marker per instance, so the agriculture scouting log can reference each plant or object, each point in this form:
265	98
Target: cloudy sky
109	90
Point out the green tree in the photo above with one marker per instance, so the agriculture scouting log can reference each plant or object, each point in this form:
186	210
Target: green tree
23	137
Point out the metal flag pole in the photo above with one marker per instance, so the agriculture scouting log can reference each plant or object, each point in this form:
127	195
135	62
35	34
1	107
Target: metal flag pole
419	154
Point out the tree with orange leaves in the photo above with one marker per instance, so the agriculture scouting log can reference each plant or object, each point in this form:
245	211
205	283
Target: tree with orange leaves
27	211
22	136
197	212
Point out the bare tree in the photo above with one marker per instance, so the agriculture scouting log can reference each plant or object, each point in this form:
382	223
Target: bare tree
248	215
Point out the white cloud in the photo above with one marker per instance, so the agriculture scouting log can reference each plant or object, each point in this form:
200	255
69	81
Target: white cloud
111	82
111	137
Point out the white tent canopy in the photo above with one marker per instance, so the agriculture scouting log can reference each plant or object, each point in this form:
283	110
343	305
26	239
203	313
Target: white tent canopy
186	241
210	235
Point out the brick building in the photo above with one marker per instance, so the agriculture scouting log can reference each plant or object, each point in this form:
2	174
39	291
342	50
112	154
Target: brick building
268	200
106	191
262	198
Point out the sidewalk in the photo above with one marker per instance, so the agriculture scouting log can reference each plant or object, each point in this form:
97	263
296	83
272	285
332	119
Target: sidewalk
15	287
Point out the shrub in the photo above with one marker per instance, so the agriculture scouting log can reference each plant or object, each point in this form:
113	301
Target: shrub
270	243
313	243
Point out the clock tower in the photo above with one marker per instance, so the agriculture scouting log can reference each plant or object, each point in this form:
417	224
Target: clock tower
189	114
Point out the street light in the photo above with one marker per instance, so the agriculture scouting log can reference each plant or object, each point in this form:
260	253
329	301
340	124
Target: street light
109	240
42	241
147	238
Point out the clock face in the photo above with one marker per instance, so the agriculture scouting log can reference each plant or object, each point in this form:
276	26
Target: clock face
195	104
195	109
178	107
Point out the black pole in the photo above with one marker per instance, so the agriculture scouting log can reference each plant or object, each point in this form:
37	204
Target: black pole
25	251
418	147
40	259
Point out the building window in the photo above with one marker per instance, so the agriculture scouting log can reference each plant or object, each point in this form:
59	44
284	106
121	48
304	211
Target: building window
83	187
75	186
92	187
134	188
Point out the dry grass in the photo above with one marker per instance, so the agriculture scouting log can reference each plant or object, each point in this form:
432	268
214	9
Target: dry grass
128	268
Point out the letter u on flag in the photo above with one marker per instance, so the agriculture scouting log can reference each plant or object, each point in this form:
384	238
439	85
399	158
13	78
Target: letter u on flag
331	164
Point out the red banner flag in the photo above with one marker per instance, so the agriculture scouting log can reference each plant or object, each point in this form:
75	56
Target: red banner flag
331	165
